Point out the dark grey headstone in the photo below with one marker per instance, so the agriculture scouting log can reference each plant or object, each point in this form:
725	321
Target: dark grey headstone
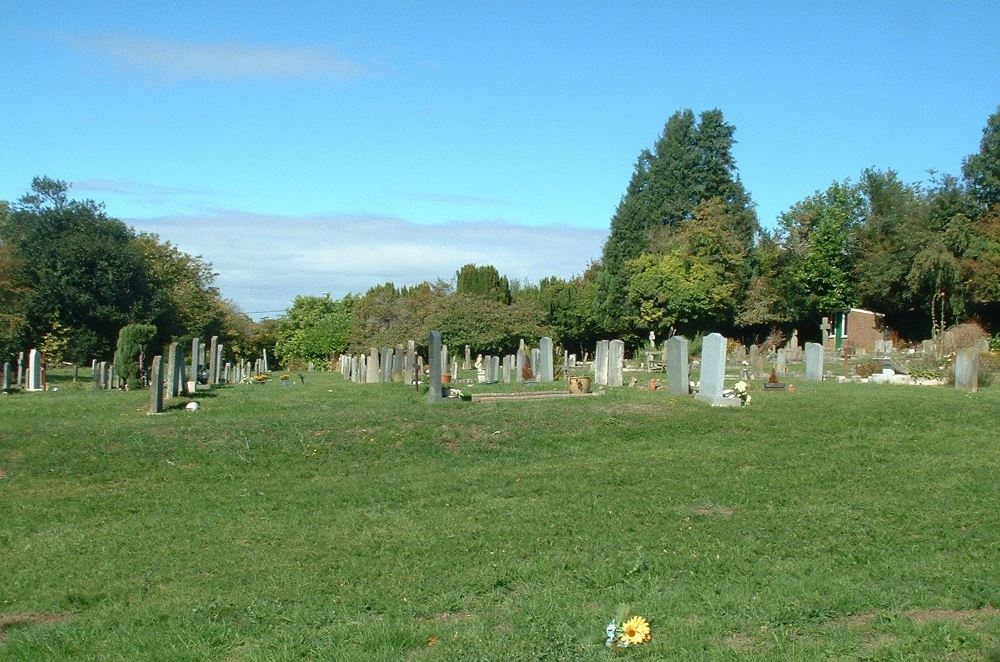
156	386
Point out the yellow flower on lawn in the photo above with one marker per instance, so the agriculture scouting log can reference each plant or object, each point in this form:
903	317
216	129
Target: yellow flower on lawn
635	630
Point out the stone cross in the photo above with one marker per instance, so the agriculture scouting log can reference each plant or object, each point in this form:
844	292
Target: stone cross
825	329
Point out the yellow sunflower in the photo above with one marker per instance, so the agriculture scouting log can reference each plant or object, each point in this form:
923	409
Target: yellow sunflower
636	630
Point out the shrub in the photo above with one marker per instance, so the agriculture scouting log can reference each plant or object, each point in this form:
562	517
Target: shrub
868	368
961	335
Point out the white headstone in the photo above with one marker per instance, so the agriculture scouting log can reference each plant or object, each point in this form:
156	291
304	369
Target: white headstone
677	365
814	361
713	368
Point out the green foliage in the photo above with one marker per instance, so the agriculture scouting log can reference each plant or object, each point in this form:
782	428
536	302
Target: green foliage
821	232
982	170
487	327
130	354
485	282
568	307
314	329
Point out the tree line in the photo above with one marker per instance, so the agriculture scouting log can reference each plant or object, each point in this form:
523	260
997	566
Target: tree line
685	254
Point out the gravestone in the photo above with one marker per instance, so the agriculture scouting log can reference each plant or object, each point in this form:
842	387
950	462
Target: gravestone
545	373
398	364
192	378
20	369
100	376
677	365
571	361
411	357
814	361
522	363
264	365
356	369
713	370
454	370
6	376
536	360
616	363
509	364
175	376
757	361
156	386
825	330
213	360
601	363
34	370
781	362
434	393
967	369
371	376
444	359
385	365
467	363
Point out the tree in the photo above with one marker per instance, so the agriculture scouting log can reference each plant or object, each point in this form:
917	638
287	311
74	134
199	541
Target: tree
821	231
81	268
487	327
484	282
130	354
982	170
691	163
315	328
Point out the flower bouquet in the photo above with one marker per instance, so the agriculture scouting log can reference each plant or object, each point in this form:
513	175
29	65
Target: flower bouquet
626	630
741	389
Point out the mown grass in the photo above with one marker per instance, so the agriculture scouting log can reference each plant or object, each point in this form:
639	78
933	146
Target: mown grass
339	521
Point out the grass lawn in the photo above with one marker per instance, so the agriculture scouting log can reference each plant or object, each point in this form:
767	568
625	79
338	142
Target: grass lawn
338	521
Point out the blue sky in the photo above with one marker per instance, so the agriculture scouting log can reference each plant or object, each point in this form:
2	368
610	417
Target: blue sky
320	147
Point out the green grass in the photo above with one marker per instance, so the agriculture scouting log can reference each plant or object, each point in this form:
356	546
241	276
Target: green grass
342	521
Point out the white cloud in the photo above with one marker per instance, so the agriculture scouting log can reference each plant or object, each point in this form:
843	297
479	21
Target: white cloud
179	60
140	191
265	261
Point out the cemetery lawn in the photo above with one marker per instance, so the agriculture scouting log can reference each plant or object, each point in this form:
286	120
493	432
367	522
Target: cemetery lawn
338	521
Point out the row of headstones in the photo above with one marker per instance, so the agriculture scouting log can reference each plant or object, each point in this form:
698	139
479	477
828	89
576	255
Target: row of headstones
713	367
32	379
534	363
383	365
169	379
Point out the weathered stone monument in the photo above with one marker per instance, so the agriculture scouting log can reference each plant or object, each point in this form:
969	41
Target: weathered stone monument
467	363
434	393
545	373
616	363
713	369
6	385
156	386
814	361
781	362
213	360
34	370
601	363
677	365
967	369
192	381
371	376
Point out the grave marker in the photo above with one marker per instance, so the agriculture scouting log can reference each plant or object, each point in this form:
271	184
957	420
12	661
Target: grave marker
967	369
616	360
545	373
677	365
435	392
156	386
814	361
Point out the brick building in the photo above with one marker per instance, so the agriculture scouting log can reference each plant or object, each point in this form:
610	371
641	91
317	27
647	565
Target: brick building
857	328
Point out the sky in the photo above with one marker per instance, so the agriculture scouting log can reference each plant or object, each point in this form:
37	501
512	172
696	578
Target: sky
324	147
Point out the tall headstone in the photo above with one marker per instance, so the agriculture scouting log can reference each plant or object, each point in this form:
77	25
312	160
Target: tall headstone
34	370
509	362
192	380
213	360
713	368
522	361
434	393
266	369
678	381
175	371
220	352
967	369
616	363
545	373
385	365
495	368
156	386
467	363
6	376
398	363
371	376
601	363
536	359
824	328
444	359
411	357
814	361
781	362
20	369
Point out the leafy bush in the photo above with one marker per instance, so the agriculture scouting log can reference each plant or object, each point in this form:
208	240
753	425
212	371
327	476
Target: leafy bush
868	368
961	335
